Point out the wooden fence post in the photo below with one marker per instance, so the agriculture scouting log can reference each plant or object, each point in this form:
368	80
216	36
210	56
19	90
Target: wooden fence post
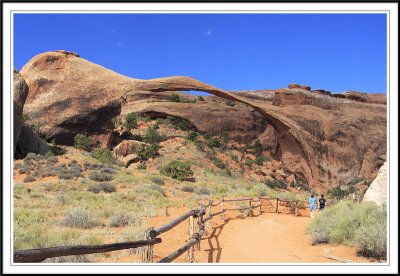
222	207
190	256
260	206
250	210
296	209
147	253
277	204
208	216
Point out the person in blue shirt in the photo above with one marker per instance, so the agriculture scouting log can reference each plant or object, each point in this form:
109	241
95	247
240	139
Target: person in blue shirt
313	205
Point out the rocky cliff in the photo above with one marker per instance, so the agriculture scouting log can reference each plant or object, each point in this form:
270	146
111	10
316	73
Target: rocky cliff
324	139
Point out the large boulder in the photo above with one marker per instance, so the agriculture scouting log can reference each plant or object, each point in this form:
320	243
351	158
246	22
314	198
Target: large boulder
377	191
20	90
30	142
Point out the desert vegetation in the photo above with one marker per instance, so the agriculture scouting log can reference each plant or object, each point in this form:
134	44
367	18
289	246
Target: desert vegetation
358	224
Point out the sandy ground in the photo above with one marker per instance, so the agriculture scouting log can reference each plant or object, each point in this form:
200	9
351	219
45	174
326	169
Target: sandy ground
265	238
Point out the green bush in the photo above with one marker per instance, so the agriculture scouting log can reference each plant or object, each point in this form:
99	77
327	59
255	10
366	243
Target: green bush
260	160
82	142
177	169
338	192
152	136
174	98
258	148
357	224
214	143
276	184
192	136
104	156
218	162
142	166
249	163
130	121
200	98
116	121
146	152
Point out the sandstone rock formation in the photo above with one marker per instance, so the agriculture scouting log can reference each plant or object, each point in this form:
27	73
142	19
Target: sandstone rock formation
323	139
377	191
20	90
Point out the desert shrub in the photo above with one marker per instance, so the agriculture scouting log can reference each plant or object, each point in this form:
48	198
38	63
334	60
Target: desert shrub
276	184
29	178
260	160
108	170
177	169
258	148
94	188
225	137
228	171
120	219
142	166
158	189
103	155
249	163
130	121
218	162
152	136
107	187
357	224
52	160
203	191
179	123
145	152
82	142
61	200
207	136
214	143
158	180
116	121
192	136
200	98
371	238
23	170
79	218
188	189
338	192
199	145
174	98
99	176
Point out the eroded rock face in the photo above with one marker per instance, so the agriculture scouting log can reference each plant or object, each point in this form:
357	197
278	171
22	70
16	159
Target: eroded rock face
20	90
377	191
321	138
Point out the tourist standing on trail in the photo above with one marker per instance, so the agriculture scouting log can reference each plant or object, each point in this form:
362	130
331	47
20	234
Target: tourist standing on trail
322	202
313	205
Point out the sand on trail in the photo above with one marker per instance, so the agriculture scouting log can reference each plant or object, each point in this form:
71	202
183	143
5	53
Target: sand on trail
265	238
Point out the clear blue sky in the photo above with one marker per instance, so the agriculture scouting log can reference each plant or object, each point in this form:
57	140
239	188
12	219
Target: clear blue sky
337	52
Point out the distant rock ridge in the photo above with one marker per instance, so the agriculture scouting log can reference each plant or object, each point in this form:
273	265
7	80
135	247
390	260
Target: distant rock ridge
325	140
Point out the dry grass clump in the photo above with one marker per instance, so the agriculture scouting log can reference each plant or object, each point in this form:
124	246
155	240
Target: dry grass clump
79	218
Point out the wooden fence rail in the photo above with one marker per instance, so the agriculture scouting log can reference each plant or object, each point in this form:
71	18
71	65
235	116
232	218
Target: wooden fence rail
39	255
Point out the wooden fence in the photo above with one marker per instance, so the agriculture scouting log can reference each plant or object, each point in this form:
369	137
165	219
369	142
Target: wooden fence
199	220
